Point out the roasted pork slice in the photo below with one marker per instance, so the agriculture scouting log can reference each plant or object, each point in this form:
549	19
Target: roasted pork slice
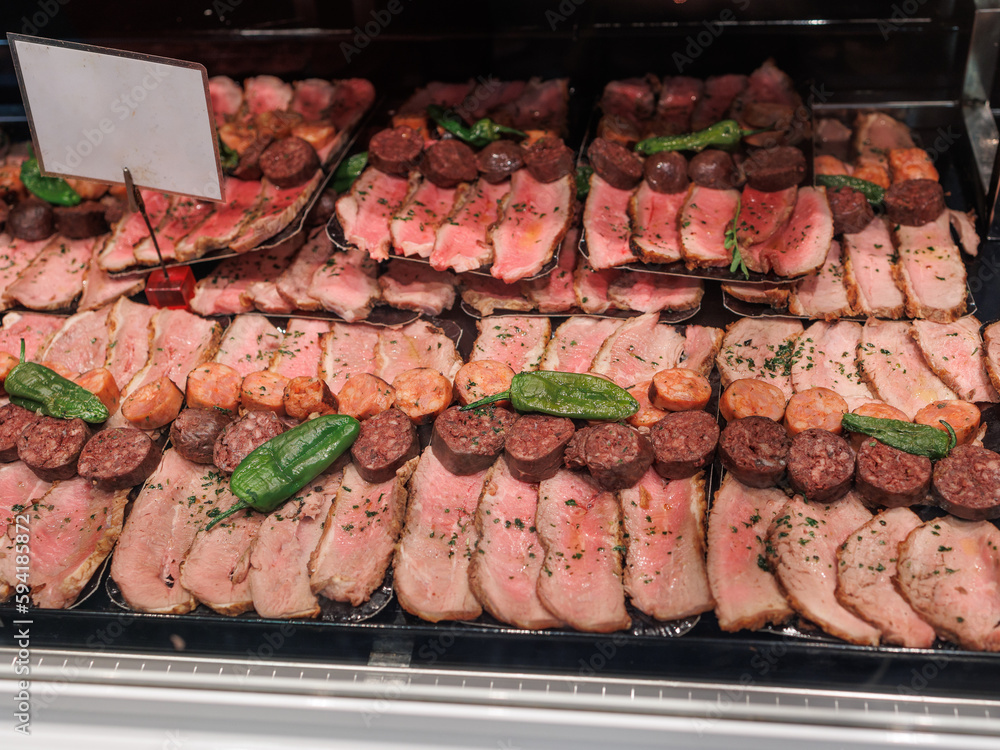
801	245
895	370
503	573
867	564
348	349
54	279
226	96
701	345
73	528
534	218
183	215
364	213
579	525
346	284
746	593
762	214
949	572
956	354
266	94
868	272
802	543
826	357
634	98
414	226
15	256
718	96
82	343
704	219
606	225
293	283
760	348
222	292
664	522
486	294
516	340
637	350
359	536
655	224
351	99
678	97
490	95
590	288
553	292
275	210
300	350
172	506
930	271
435	92
655	292
19	489
249	343
576	342
415	286
117	253
876	134
178	342
35	329
991	340
462	241
965	224
822	295
417	344
279	555
100	288
226	222
264	297
312	97
128	339
542	105
431	567
775	295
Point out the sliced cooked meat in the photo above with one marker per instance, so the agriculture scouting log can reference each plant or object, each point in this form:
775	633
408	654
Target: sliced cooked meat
683	443
83	220
499	160
956	354
914	203
820	465
616	165
31	220
666	172
616	455
13	420
467	442
238	439
535	445
248	167
395	151
967	483
118	458
194	432
774	169
851	210
548	159
713	169
761	348
52	446
385	442
755	450
891	478
447	163
289	162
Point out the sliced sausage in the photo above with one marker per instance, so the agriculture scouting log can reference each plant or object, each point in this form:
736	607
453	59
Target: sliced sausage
911	164
289	162
52	447
647	414
574	457
214	386
117	458
963	416
616	165
7	363
263	391
749	397
966	483
101	383
81	221
816	407
878	409
422	393
535	445
915	202
194	432
447	163
820	465
713	169
873	172
826	164
238	439
548	159
154	405
499	160
683	443
13	420
755	450
249	164
666	172
469	441
773	169
891	478
60	369
679	389
304	396
851	210
481	378
363	396
395	150
616	455
31	220
385	442
88	190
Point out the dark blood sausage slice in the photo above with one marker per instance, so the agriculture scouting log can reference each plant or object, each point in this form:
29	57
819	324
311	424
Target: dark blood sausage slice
617	455
886	476
249	164
499	160
713	169
52	447
666	172
535	446
289	162
774	169
322	209
114	208
820	465
683	443
755	450
31	220
83	220
13	420
117	458
548	159
395	150
967	483
468	441
386	442
914	203
851	210
574	456
616	165
239	438
449	162
194	432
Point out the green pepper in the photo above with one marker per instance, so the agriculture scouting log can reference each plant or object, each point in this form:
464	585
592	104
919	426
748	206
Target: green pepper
724	133
479	134
45	391
918	439
566	394
52	189
874	193
228	158
583	173
275	471
348	172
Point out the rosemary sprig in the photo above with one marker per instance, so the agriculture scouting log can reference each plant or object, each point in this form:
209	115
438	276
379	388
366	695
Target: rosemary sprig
730	243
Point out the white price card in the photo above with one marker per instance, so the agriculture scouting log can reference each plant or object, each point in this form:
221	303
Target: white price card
94	111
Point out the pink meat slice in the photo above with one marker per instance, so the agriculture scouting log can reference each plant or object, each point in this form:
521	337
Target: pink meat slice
348	349
15	256
542	105
36	329
417	344
263	295
365	212
803	542
720	91
436	92
300	350
876	134
664	521
226	96
293	283
867	564
516	340
182	217
869	272
579	526
576	342
222	292
312	97
431	567
100	288
930	271
346	285
490	95
606	225
82	343
225	223
19	489
826	357
655	224
701	345
705	217
801	245
417	286
275	210
248	344
414	226
637	350
590	288
631	98
118	252
486	294
266	94
955	352
128	339
654	292
534	219
761	348
554	292
504	570
679	95
462	242
747	595
54	279
822	295
763	214
352	98
991	340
